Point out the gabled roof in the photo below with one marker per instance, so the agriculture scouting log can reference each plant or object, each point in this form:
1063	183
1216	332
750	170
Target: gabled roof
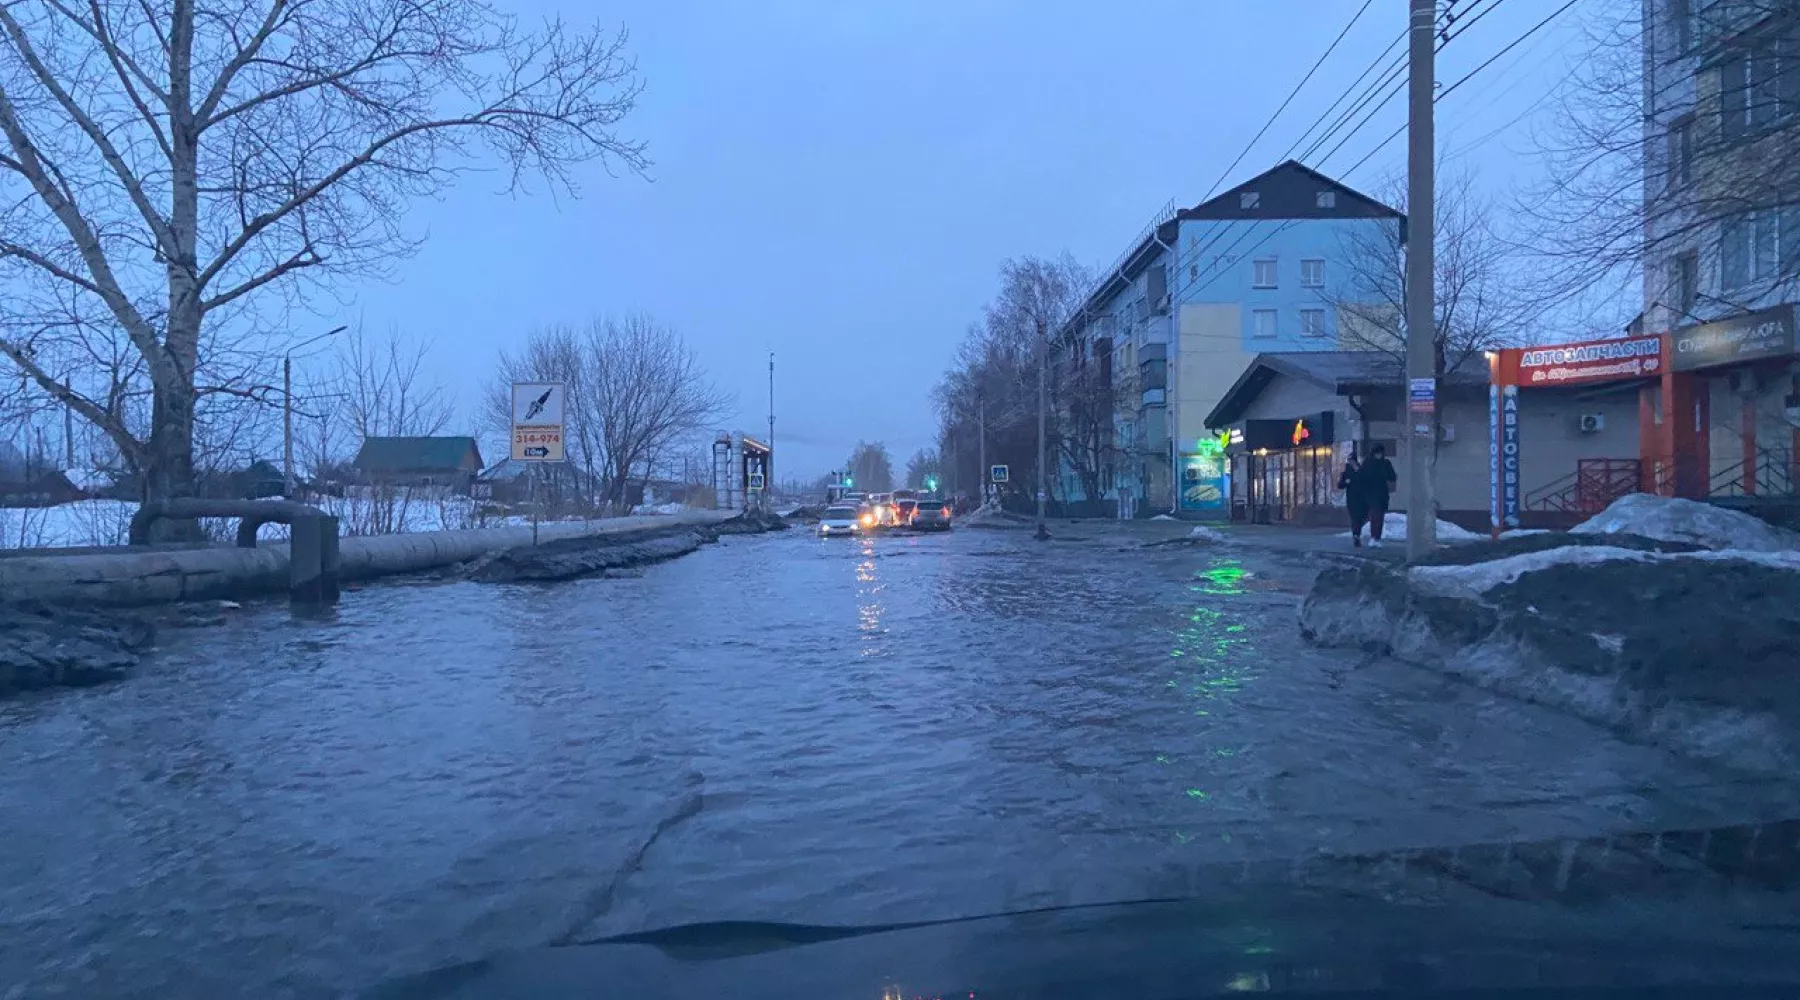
1342	373
1285	192
1290	191
416	454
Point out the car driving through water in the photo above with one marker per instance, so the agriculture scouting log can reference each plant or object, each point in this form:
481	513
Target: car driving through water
842	520
931	515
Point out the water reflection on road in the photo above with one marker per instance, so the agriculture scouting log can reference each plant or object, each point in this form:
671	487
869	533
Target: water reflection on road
773	728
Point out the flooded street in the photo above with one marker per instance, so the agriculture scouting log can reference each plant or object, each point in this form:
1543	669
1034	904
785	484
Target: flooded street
777	728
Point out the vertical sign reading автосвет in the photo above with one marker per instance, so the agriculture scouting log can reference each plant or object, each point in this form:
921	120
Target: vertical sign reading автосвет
1494	515
1509	456
537	421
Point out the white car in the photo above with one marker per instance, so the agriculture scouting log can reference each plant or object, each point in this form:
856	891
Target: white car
841	521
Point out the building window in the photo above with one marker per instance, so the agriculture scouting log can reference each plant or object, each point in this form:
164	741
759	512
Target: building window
1748	249
1264	273
1752	91
1684	282
1312	273
1249	199
1326	199
1681	151
1681	24
1262	323
1312	322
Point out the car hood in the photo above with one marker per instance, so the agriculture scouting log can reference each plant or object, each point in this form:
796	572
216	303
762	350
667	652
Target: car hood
1266	940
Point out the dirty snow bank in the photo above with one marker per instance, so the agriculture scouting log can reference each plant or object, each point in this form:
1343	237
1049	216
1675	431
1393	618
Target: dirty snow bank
1692	650
1673	519
1482	577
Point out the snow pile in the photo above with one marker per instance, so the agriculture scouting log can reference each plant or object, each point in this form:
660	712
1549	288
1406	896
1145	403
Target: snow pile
1163	517
662	508
1205	534
1485	576
1672	519
1394	526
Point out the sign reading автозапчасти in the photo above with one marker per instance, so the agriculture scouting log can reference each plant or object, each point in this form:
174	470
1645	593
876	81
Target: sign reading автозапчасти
1766	333
1590	361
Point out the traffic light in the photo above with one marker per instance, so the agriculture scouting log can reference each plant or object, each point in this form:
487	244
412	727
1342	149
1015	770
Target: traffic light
931	483
848	481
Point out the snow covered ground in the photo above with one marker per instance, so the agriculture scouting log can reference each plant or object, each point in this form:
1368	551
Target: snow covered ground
1394	526
85	522
108	522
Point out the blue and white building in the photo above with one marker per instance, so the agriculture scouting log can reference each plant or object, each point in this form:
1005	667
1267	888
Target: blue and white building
1202	292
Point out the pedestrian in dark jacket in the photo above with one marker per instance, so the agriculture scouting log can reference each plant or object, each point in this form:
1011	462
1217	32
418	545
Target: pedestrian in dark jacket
1350	481
1379	481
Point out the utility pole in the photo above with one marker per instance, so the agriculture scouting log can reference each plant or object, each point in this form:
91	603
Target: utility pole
1421	325
1043	472
769	463
68	436
287	426
981	477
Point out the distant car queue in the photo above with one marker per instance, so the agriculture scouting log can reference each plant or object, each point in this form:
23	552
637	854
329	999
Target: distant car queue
901	510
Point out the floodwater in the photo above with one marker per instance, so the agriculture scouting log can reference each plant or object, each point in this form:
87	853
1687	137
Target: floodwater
774	728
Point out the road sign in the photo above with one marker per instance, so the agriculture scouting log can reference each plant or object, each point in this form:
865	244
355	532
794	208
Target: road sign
756	480
537	421
1421	395
1041	497
1000	473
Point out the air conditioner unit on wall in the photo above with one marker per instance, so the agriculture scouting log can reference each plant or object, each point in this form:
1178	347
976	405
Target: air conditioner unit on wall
1592	423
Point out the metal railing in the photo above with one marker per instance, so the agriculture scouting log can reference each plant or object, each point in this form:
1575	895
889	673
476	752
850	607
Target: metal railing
1771	473
1595	483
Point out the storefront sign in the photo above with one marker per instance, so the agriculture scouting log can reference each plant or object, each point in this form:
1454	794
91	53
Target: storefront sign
1509	456
1494	457
1766	333
1310	431
1582	361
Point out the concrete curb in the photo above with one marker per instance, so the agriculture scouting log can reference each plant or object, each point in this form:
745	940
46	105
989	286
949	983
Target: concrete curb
124	578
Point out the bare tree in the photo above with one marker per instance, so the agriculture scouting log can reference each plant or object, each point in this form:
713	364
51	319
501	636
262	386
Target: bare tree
1480	299
993	380
164	163
922	466
649	391
1659	182
381	389
871	469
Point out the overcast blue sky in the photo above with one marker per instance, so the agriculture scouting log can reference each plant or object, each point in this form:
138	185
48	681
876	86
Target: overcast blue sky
837	181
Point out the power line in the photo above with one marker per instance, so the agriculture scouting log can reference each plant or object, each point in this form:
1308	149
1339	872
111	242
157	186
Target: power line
1391	79
1290	98
1396	133
1447	91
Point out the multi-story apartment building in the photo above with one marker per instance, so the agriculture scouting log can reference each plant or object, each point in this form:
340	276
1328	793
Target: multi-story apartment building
1721	238
1203	291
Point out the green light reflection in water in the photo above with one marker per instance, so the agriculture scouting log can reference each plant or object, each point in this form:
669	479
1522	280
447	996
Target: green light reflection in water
1212	648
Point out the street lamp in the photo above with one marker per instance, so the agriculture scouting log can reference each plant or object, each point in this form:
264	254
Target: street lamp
287	410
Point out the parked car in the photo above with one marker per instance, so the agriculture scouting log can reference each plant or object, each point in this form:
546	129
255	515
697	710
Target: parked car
842	520
931	515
